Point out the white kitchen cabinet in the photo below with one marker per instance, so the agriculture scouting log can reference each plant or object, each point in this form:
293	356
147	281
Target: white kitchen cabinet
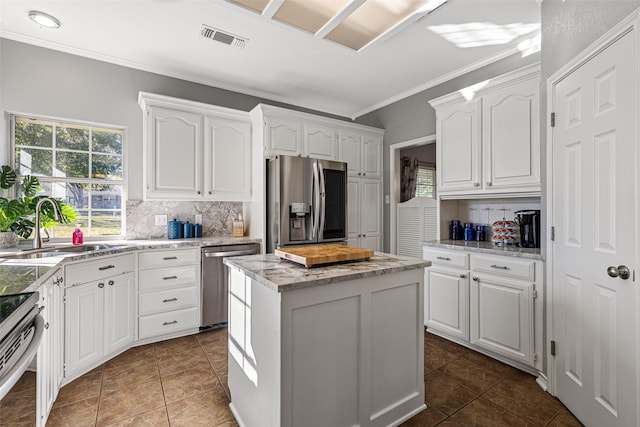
99	312
364	213
488	139
320	142
362	151
490	303
502	313
195	151
168	293
50	360
283	136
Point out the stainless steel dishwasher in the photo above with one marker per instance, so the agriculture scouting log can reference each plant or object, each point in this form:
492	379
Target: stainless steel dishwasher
215	281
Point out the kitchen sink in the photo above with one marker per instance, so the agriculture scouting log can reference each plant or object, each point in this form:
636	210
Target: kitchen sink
62	250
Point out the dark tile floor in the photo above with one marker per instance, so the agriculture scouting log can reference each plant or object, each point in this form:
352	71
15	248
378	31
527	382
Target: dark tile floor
183	382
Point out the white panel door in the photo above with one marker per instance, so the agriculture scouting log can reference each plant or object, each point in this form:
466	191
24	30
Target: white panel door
175	158
372	155
447	302
458	147
119	306
353	211
227	150
371	212
595	214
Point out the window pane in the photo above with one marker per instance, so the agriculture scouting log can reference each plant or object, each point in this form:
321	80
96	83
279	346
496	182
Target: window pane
106	196
76	194
66	230
106	223
106	167
73	165
32	161
72	138
35	133
106	141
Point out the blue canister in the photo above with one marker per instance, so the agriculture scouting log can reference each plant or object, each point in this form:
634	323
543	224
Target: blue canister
174	230
188	230
197	230
469	233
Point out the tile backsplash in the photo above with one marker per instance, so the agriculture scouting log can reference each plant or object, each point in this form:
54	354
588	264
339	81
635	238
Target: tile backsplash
217	217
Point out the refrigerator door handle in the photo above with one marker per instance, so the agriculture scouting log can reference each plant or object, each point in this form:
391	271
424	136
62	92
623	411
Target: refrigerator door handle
316	201
322	204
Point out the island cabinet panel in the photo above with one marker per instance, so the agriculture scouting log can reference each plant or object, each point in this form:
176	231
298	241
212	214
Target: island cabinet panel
340	354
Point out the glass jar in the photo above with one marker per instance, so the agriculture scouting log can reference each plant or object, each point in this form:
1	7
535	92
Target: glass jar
469	233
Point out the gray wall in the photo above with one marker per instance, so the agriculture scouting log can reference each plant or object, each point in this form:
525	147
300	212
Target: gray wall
46	82
413	117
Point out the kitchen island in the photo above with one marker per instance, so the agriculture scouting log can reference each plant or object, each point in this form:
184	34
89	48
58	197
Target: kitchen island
336	345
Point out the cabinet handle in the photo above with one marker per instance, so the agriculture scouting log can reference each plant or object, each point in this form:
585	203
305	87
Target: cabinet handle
462	276
501	267
106	267
364	235
167	258
209	192
169	277
359	173
476	184
198	191
475	279
101	285
169	323
46	326
489	184
111	282
170	300
364	174
444	258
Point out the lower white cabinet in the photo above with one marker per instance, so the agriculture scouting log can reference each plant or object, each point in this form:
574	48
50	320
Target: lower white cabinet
490	303
99	314
446	305
168	293
49	369
502	317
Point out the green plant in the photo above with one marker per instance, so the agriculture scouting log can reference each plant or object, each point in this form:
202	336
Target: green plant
16	214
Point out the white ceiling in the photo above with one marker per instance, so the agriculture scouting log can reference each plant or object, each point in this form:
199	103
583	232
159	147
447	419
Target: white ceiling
280	62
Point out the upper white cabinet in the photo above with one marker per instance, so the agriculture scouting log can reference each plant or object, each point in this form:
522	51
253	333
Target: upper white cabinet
488	140
195	151
362	151
319	141
283	136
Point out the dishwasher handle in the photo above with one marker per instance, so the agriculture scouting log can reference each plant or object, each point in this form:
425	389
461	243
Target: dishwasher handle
229	253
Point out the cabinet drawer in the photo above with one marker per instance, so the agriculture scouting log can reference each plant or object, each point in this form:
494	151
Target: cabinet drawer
89	271
167	323
166	278
168	258
168	300
448	258
503	266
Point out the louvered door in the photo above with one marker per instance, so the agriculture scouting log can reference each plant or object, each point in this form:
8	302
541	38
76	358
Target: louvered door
416	223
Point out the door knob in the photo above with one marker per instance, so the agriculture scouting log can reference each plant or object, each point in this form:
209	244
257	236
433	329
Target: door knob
621	271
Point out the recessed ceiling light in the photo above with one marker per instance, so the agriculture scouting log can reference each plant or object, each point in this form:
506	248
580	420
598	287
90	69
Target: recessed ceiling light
44	19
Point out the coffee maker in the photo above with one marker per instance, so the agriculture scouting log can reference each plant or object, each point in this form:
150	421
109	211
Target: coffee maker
529	221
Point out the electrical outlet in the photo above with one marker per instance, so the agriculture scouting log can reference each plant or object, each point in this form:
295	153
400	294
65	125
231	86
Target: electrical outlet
198	219
161	220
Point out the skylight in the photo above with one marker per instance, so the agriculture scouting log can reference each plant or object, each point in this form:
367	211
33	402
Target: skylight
356	24
474	34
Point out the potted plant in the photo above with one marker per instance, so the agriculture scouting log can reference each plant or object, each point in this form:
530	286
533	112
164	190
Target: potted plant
16	214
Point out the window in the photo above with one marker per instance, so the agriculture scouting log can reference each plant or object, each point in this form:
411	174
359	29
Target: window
79	163
426	181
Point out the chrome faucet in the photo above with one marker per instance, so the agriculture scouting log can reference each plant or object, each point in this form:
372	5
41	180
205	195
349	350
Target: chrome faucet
37	238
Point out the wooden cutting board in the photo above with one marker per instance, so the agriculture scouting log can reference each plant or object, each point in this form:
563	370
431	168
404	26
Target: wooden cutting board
323	254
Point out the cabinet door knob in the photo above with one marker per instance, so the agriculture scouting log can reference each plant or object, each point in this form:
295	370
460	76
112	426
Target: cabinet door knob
489	184
111	282
209	192
101	285
476	184
475	279
462	276
359	173
198	191
364	235
364	174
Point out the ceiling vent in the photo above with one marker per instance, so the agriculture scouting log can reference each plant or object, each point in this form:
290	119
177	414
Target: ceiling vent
223	37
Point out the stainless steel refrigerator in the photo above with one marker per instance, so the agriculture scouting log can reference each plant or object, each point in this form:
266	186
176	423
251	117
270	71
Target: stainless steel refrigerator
306	201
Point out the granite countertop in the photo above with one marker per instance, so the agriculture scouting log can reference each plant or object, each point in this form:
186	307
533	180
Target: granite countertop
281	275
27	275
487	248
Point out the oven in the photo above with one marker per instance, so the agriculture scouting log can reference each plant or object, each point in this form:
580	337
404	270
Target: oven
21	328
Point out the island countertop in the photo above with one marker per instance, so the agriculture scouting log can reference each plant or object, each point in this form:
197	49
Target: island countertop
280	275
